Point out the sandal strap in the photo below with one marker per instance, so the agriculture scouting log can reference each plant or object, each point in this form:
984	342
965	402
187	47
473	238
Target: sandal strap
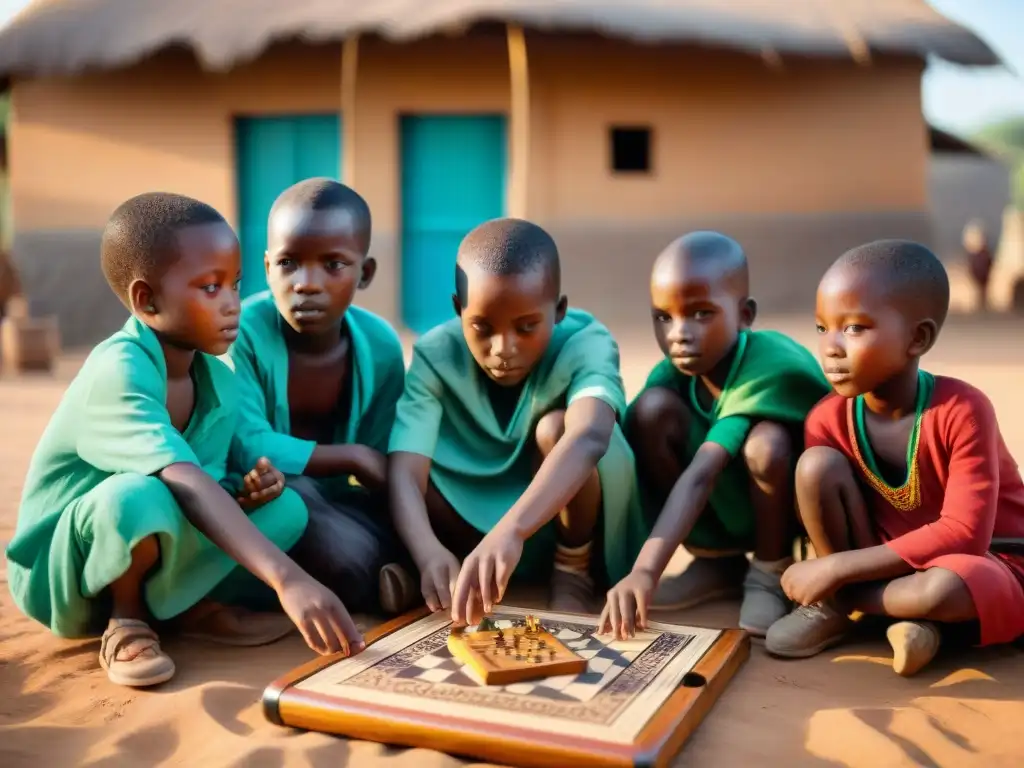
124	633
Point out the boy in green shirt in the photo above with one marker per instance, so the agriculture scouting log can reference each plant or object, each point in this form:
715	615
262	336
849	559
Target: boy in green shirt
319	379
716	432
506	452
123	516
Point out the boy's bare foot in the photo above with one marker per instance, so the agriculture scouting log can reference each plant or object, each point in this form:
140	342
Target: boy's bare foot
807	631
571	591
914	644
130	653
398	592
232	625
705	579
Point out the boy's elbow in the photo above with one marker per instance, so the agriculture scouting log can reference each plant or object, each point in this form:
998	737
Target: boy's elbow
593	442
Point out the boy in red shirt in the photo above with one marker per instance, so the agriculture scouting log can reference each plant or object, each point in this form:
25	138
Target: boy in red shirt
907	490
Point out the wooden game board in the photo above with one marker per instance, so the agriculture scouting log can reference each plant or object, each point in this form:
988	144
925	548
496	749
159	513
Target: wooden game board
636	703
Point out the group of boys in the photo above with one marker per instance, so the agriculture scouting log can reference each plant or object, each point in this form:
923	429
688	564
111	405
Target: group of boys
215	461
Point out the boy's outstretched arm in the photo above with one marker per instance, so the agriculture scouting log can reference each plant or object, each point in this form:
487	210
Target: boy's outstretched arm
683	507
589	424
408	476
315	610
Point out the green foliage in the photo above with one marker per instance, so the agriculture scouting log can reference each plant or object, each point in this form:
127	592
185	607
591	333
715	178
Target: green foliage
1004	138
1017	186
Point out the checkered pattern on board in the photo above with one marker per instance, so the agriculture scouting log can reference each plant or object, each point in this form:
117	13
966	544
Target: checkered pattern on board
604	664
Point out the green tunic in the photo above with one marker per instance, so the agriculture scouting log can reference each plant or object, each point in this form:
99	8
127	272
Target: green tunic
260	359
91	493
482	467
772	378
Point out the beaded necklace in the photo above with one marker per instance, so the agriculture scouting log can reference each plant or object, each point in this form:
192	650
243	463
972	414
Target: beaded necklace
906	497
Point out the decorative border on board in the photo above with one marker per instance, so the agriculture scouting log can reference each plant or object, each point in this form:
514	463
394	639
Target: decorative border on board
602	709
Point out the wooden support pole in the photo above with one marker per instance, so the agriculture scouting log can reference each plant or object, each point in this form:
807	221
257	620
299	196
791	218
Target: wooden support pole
349	66
519	123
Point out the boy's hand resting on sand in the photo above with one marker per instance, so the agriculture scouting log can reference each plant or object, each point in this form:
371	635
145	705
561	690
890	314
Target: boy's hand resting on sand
261	485
320	616
627	601
484	575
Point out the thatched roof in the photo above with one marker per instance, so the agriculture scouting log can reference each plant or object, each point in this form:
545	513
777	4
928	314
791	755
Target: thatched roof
65	36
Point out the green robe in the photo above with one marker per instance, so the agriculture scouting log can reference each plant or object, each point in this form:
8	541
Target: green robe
260	359
92	494
772	378
482	467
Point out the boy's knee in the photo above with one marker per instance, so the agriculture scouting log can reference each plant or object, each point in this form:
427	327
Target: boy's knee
549	430
768	452
127	493
819	463
942	593
658	407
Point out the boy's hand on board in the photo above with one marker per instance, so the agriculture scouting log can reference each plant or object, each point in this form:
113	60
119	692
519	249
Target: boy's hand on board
261	485
321	617
627	601
484	576
439	571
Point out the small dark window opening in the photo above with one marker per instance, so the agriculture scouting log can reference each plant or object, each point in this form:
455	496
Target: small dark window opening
631	149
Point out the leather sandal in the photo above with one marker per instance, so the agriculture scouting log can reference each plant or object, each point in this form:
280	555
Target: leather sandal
146	664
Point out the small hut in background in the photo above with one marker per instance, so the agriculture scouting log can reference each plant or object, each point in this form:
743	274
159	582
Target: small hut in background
794	126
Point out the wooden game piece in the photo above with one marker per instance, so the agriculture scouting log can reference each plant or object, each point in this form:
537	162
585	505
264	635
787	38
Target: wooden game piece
471	648
368	696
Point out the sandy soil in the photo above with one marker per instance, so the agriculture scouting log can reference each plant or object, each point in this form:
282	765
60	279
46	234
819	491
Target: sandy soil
846	708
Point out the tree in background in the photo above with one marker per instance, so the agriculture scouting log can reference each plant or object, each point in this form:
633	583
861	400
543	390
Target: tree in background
1005	139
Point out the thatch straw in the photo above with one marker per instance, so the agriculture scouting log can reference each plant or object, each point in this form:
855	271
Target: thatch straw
68	36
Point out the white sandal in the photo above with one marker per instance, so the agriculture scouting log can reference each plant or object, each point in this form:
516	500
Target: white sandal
138	671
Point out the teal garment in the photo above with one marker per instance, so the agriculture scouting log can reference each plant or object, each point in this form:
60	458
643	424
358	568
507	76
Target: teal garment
482	467
91	494
772	378
260	359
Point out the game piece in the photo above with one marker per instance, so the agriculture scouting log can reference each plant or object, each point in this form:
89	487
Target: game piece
636	703
471	645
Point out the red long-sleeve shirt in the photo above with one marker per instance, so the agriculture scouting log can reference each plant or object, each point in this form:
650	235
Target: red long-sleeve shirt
971	488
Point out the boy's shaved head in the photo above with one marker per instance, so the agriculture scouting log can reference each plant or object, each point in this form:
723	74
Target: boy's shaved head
908	274
508	297
700	301
709	254
140	238
508	247
294	208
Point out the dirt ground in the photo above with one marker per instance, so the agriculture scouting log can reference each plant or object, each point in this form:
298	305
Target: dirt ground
845	708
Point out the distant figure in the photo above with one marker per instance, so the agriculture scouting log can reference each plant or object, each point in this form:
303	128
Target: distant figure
979	259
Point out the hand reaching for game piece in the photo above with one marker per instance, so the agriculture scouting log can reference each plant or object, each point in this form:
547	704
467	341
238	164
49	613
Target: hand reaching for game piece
320	616
261	485
810	581
484	576
627	601
439	571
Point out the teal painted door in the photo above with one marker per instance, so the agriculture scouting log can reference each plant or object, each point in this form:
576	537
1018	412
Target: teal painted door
272	153
453	178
